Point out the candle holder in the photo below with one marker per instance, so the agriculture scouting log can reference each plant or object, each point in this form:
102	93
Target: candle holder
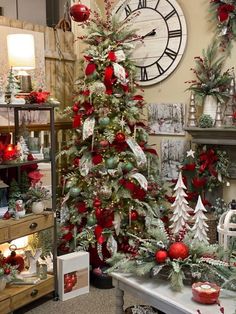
205	292
10	154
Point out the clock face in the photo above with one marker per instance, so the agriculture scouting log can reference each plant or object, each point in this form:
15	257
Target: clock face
163	27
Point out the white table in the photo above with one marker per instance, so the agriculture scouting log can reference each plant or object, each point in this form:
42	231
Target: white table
157	293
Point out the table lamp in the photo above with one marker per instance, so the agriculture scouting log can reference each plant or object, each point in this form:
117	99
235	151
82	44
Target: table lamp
21	57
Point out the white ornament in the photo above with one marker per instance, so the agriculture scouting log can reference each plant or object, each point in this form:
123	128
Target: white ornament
190	153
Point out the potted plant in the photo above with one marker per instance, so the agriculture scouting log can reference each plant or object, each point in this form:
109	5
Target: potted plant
211	85
35	197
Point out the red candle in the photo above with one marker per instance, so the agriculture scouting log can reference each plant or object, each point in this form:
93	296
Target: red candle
9	152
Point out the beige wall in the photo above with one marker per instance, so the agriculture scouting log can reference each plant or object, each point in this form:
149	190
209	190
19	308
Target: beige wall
33	11
172	89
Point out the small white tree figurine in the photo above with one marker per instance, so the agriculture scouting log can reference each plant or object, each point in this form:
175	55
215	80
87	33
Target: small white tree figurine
22	149
200	227
180	207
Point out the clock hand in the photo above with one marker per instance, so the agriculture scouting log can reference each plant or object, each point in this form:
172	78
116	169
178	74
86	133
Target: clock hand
152	33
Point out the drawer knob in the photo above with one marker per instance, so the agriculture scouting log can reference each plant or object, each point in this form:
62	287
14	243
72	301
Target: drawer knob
33	225
34	292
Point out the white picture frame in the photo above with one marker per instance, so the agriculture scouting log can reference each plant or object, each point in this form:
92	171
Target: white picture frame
172	156
73	275
166	119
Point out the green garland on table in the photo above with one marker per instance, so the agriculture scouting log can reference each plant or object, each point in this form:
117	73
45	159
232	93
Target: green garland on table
204	261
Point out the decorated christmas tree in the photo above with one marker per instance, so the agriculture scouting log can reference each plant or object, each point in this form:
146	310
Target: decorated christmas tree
111	181
200	227
181	209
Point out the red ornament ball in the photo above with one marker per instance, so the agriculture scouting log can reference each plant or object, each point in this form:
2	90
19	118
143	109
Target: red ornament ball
97	202
120	137
178	250
161	256
75	108
134	215
79	12
15	260
104	143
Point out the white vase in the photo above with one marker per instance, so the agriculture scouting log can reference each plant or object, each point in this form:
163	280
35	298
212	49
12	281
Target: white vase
37	207
210	106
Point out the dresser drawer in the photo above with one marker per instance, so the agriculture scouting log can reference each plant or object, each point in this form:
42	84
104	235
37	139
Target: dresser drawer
40	222
5	306
4	235
32	293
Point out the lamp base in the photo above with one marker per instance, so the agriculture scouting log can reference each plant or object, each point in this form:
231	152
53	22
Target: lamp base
25	83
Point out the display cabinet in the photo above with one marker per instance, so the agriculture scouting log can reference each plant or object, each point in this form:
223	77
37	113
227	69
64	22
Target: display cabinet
16	296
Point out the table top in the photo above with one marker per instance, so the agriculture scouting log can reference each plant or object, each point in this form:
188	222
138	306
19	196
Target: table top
157	292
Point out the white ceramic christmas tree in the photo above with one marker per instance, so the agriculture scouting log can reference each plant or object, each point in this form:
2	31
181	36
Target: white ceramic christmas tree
200	227
22	149
180	207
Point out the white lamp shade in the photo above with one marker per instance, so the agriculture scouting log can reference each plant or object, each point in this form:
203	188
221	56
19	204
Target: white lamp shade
21	52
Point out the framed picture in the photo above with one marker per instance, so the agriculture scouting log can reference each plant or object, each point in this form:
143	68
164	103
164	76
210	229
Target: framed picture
73	275
172	156
166	118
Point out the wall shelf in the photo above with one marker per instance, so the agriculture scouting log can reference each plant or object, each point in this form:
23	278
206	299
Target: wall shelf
214	136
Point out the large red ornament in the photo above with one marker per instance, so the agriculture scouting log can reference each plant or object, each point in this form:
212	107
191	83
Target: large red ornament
161	256
79	12
120	137
178	250
15	260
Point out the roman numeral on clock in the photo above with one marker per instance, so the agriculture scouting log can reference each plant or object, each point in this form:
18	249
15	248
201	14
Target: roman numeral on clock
157	4
170	53
160	69
142	4
169	15
143	74
175	33
127	10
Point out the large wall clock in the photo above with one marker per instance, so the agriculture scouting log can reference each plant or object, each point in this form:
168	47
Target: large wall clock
162	25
